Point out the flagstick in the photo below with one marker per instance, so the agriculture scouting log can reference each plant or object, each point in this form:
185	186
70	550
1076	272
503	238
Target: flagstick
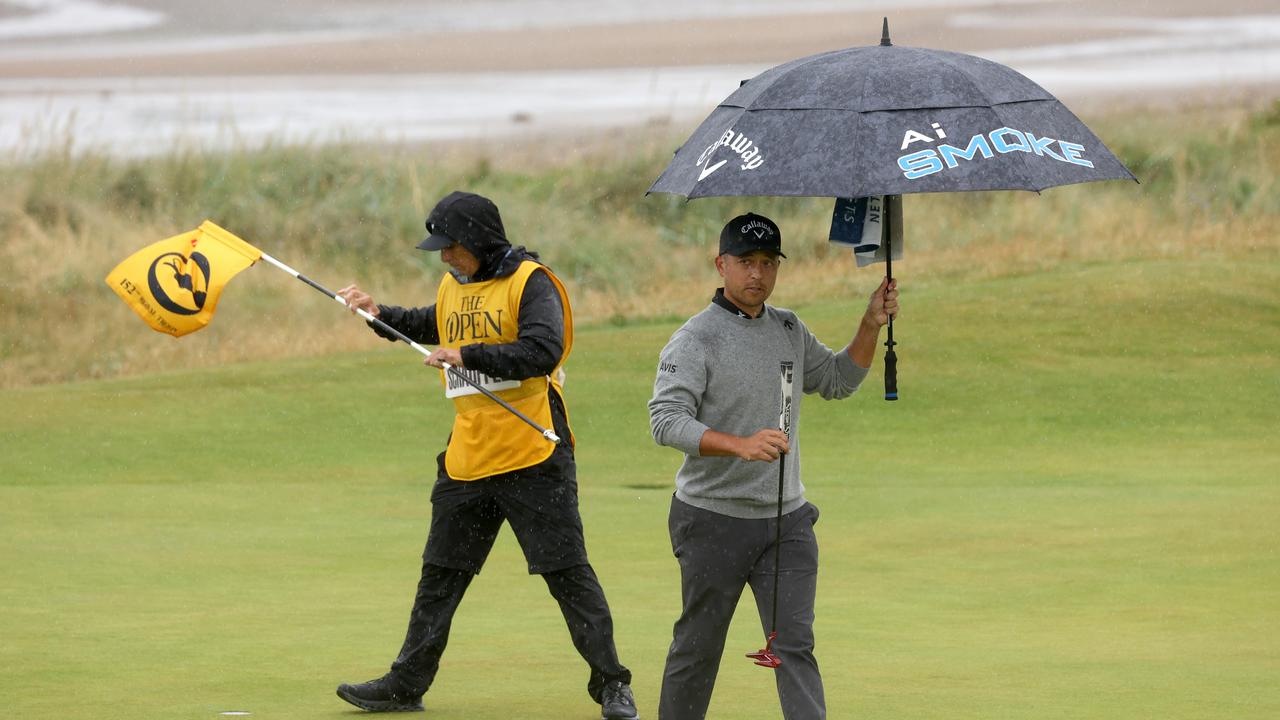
548	434
890	357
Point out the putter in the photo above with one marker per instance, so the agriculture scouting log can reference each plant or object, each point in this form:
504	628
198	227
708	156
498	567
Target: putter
764	657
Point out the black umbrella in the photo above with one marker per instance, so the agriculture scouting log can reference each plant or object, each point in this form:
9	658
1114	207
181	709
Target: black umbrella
883	121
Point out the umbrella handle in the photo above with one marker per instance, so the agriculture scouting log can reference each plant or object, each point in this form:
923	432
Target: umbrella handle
890	372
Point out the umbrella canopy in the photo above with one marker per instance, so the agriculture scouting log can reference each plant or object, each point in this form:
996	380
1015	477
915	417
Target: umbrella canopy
887	120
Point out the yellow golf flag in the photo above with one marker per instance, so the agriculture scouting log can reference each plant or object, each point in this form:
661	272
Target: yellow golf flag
174	284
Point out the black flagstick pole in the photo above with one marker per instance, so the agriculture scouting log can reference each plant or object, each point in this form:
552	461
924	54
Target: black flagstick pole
548	434
890	357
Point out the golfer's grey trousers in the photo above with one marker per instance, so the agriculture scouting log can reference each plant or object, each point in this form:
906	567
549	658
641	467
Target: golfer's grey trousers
719	555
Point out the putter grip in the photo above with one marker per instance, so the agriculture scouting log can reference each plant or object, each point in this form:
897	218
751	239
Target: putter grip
890	375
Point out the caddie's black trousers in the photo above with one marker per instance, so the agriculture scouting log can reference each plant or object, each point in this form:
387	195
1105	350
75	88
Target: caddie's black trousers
541	504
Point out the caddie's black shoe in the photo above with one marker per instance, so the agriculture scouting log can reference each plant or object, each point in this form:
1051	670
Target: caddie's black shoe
617	702
379	695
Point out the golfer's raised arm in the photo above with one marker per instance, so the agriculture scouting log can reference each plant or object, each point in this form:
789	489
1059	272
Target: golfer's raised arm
883	304
830	375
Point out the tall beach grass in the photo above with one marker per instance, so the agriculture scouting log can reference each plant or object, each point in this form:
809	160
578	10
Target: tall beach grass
351	213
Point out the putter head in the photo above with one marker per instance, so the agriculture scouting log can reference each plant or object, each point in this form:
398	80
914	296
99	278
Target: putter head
765	657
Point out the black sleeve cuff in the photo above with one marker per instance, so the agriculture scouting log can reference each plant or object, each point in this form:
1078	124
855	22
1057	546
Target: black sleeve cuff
384	313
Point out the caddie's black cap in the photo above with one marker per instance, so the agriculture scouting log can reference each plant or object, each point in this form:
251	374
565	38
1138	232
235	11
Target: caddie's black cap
465	218
748	233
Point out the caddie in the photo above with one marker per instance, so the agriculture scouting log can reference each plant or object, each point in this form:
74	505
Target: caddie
504	319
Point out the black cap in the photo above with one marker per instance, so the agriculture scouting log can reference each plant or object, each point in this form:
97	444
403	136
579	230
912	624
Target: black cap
465	218
748	233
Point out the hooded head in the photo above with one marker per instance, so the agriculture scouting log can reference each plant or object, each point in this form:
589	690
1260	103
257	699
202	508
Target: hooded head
473	222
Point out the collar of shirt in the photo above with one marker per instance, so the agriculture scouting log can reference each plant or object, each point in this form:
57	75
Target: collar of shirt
724	302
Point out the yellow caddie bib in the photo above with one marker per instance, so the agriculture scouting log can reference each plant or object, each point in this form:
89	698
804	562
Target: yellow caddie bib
487	440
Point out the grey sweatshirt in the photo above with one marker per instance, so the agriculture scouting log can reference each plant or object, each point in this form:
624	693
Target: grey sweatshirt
722	372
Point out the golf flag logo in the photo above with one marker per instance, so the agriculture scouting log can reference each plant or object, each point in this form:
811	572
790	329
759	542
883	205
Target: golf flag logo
174	285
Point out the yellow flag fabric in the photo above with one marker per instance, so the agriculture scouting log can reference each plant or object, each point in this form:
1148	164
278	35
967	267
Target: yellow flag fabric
174	284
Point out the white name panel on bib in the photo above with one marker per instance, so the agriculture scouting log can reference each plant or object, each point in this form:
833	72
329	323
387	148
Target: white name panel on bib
454	387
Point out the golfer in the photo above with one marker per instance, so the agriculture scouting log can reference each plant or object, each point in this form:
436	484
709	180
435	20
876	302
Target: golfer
504	319
721	384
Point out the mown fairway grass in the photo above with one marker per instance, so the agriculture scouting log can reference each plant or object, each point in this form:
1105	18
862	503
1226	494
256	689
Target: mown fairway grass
1071	514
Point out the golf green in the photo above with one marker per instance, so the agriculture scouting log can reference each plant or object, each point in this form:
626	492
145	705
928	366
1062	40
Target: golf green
1071	513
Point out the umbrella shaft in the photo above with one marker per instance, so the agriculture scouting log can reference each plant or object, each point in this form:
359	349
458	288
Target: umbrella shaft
888	248
888	257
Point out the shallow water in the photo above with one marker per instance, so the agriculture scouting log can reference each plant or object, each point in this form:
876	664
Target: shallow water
248	20
148	115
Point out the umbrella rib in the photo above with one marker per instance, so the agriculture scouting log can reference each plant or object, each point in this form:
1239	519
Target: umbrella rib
794	66
1022	157
861	129
995	109
977	89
